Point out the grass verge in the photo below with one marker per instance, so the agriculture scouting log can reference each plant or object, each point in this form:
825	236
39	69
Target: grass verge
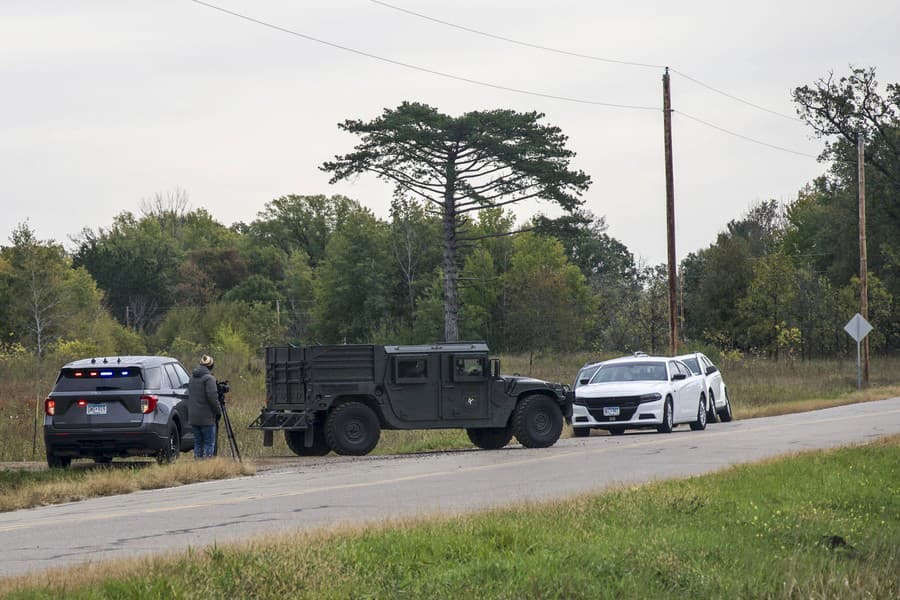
785	407
817	525
26	489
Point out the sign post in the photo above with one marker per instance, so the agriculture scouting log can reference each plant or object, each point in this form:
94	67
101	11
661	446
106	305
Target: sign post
858	328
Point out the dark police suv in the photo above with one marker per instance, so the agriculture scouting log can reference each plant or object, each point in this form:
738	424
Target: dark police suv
101	408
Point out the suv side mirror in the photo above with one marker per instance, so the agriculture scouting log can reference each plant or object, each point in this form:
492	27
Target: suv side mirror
583	381
678	376
711	369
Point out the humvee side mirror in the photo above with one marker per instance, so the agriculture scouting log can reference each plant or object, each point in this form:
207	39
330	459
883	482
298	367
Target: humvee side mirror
495	368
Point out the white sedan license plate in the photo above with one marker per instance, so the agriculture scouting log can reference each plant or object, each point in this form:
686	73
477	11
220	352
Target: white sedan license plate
610	411
96	409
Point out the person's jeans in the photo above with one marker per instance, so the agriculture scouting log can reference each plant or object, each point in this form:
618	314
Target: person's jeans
204	440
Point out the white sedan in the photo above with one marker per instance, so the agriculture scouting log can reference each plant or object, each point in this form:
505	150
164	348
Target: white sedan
716	391
640	392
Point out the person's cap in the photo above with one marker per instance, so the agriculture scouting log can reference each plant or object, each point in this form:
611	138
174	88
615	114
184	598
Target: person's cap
207	361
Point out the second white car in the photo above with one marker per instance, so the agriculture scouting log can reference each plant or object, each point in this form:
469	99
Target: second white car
718	402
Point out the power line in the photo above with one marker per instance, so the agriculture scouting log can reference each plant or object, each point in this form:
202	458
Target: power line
518	42
487	84
733	97
418	68
741	136
580	55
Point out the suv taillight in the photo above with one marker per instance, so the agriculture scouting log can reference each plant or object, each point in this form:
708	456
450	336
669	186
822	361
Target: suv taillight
50	407
148	404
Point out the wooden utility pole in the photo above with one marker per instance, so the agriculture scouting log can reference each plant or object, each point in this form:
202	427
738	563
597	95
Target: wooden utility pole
863	261
670	216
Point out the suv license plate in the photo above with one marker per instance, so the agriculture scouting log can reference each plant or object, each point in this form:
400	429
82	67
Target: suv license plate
96	409
610	411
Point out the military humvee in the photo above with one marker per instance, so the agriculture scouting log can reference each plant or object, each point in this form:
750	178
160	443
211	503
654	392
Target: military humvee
339	398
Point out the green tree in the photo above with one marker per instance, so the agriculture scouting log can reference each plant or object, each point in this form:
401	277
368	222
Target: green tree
294	222
768	305
821	229
480	293
256	288
298	289
353	281
49	301
37	284
137	260
552	303
653	310
840	110
602	259
460	165
819	313
825	218
717	277
416	253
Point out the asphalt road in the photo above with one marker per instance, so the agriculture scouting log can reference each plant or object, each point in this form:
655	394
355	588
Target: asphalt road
341	491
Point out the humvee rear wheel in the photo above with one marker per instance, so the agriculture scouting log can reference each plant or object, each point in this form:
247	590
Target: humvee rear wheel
537	421
490	438
352	429
294	441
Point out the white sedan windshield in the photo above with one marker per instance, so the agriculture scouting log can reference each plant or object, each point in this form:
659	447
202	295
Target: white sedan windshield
637	371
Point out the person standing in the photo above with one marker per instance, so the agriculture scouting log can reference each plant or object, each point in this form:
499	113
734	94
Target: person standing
203	407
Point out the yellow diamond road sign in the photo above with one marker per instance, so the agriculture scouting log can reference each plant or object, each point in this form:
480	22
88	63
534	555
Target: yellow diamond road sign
858	327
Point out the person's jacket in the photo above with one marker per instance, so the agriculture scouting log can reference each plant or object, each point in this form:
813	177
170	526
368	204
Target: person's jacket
203	399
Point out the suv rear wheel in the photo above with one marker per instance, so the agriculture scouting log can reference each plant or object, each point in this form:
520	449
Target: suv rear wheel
352	429
537	421
169	452
58	462
725	414
711	414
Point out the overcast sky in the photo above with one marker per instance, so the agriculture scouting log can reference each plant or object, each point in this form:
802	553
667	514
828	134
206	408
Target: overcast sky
106	103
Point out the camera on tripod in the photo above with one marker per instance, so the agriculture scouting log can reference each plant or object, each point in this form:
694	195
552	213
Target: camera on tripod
223	388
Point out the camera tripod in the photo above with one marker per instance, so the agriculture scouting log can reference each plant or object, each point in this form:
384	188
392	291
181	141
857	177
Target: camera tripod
232	442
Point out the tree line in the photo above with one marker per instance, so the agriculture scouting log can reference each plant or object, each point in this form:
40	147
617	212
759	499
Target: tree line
778	280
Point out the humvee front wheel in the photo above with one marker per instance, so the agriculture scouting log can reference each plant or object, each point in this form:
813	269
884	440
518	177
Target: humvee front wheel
352	429
537	421
490	438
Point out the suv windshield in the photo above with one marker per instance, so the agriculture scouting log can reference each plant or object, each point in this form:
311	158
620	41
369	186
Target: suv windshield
94	379
636	371
692	364
585	374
